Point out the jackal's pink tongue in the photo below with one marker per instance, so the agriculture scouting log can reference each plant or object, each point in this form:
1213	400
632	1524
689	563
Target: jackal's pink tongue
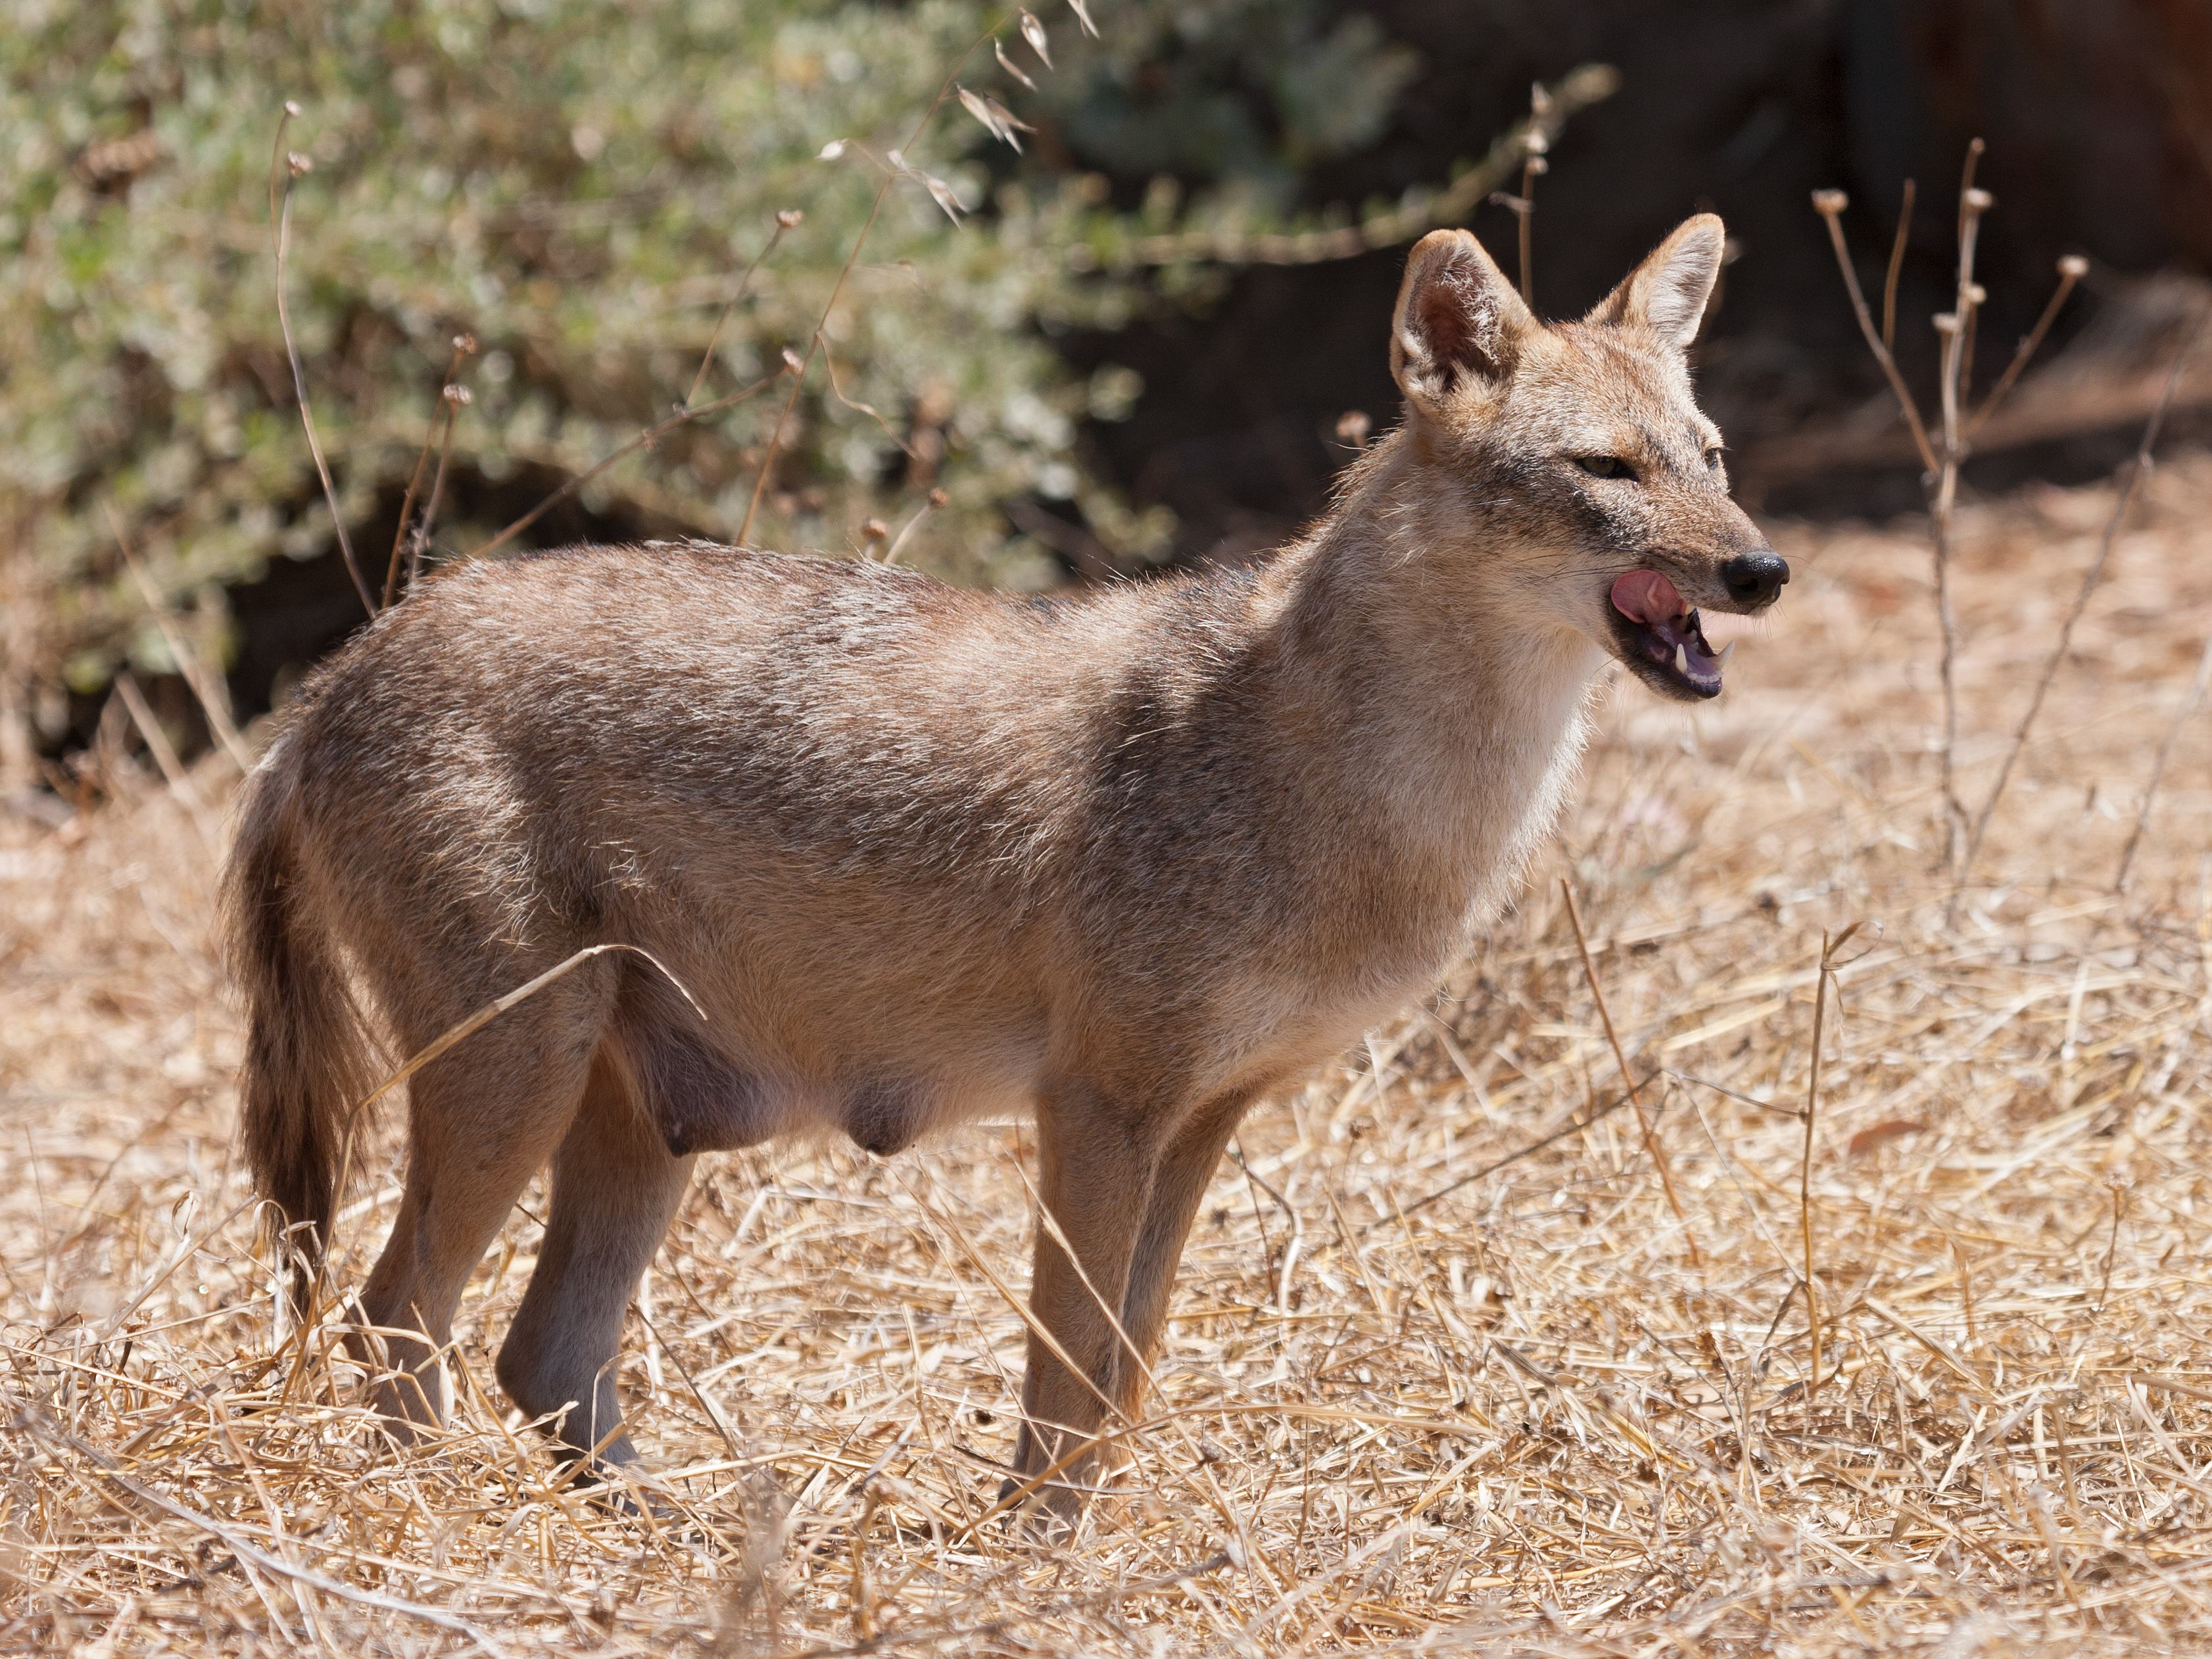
1647	597
1673	635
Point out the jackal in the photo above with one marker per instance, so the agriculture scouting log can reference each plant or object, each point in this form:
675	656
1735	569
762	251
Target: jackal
1128	860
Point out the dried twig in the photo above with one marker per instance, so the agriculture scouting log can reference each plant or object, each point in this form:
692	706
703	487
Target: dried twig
449	395
1956	328
293	166
1822	981
2158	768
214	703
1659	1159
2071	269
644	440
892	174
1535	142
1942	459
786	219
2138	469
1829	204
1896	267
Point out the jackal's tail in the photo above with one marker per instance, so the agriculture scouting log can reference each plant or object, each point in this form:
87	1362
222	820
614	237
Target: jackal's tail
306	1056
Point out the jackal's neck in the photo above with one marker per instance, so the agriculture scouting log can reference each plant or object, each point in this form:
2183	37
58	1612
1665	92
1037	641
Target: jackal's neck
1458	709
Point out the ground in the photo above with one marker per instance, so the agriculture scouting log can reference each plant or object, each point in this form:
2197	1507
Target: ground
1415	1399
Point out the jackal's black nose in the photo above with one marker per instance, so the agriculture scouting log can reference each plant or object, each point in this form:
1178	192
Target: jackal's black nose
1755	579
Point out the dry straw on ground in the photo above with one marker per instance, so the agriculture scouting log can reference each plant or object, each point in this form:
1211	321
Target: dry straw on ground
1543	1413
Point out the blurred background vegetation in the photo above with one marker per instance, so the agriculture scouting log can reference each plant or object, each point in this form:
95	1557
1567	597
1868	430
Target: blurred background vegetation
581	186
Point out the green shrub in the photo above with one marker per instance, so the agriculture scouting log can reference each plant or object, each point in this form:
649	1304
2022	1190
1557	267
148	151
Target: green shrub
579	187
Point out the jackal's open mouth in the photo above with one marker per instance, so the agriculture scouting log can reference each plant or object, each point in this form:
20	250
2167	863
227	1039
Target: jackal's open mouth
1661	632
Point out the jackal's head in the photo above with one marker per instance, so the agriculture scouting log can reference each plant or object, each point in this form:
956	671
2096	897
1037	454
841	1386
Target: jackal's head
1588	484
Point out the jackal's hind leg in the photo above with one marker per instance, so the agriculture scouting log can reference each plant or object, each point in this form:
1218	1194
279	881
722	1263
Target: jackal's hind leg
616	1185
483	1120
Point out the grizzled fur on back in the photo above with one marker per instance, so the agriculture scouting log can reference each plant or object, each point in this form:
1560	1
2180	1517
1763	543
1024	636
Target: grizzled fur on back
911	854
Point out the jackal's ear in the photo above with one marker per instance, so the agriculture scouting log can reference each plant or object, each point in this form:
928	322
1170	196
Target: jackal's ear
1458	318
1667	294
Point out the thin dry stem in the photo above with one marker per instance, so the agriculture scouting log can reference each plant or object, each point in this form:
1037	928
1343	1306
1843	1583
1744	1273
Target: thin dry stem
2070	271
1644	1121
644	440
206	689
280	223
1822	981
786	219
419	544
462	345
2138	469
891	176
1896	268
1830	205
2158	768
1956	327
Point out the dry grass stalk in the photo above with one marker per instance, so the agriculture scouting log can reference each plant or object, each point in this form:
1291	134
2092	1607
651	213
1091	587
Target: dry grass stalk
1536	144
1620	1058
2158	766
2137	468
1821	983
207	687
898	169
291	167
1515	1418
450	396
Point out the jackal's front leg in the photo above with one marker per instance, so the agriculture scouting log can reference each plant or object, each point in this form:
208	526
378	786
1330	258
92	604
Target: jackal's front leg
1095	1172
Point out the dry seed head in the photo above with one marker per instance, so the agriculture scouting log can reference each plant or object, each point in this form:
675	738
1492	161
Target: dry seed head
1977	294
1353	427
793	361
1033	31
291	107
1978	200
1947	322
1536	144
874	531
300	164
937	498
788	218
1830	203
465	344
458	394
2073	267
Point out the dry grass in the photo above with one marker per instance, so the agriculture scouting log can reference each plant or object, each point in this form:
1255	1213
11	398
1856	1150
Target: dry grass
1541	1414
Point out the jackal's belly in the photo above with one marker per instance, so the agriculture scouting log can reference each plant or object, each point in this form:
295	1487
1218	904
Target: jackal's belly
884	1056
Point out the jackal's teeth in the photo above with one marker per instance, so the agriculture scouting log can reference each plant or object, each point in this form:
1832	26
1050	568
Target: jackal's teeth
1682	661
1727	651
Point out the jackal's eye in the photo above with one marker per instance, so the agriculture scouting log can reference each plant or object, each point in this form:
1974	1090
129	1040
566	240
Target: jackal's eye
1605	466
1713	459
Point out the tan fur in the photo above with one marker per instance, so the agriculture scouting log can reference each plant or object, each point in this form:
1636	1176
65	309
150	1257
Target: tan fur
1131	859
